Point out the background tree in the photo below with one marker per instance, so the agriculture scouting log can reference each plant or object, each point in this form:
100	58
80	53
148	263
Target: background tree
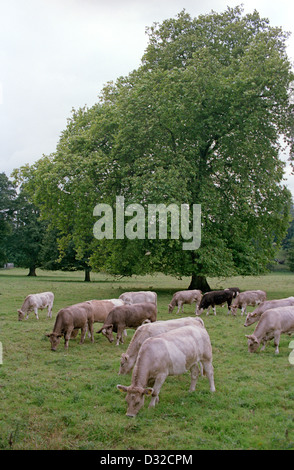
28	233
7	197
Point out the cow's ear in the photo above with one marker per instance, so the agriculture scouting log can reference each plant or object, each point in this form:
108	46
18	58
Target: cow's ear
148	391
48	334
122	388
252	338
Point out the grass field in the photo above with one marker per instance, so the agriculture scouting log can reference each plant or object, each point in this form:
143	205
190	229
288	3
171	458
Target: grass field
69	400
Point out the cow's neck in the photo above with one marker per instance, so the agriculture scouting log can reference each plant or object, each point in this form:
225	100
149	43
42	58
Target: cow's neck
141	372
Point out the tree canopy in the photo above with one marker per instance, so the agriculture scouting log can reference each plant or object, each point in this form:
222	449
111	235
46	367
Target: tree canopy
203	120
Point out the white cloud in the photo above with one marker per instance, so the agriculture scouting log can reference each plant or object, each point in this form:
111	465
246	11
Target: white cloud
58	54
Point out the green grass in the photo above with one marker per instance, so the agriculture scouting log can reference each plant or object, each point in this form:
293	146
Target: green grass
69	400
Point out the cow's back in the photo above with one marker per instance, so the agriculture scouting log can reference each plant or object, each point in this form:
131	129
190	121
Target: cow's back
280	318
135	313
101	308
176	350
75	315
139	297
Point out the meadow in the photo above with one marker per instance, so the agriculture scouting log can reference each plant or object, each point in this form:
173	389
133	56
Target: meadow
68	400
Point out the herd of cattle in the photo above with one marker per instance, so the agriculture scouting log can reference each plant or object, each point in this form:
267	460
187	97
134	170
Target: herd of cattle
162	348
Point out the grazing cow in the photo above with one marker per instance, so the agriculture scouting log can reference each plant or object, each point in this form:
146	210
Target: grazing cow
185	297
35	301
68	322
271	325
171	353
101	309
150	330
216	297
127	316
248	297
254	316
236	290
139	297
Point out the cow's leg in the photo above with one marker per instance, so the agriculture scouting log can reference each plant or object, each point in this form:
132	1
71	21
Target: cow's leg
277	341
119	336
194	376
49	314
36	312
214	310
229	307
263	342
196	308
208	367
91	332
207	313
156	389
67	336
83	333
179	306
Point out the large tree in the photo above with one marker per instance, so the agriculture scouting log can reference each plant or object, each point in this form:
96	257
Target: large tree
202	121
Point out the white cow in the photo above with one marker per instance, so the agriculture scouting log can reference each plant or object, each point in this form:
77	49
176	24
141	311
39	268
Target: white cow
171	353
139	297
185	297
248	297
149	330
271	325
254	316
35	301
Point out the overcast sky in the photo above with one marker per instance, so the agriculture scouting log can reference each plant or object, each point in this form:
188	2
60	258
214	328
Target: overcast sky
58	54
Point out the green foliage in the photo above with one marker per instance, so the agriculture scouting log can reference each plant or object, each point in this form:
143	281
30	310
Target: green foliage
290	254
7	197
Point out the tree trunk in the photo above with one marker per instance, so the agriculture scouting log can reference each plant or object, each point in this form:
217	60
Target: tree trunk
87	274
199	282
32	271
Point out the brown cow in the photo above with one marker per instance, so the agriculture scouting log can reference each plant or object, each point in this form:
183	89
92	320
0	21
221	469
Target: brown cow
127	316
69	320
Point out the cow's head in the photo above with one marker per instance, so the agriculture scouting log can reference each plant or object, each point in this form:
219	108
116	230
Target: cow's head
234	309
125	365
170	308
135	398
54	340
21	314
253	343
107	330
250	319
